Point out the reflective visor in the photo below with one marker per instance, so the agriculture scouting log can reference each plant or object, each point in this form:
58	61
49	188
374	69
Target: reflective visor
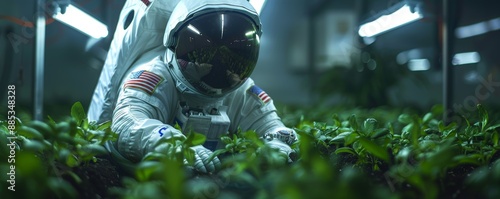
217	52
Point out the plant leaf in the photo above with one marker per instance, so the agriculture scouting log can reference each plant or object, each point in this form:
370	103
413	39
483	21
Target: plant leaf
145	169
67	158
370	125
93	149
492	128
349	139
104	126
345	150
32	145
29	132
483	114
427	117
437	109
405	118
189	155
215	154
494	139
42	127
380	133
353	122
194	139
78	113
154	156
374	149
51	121
468	159
340	138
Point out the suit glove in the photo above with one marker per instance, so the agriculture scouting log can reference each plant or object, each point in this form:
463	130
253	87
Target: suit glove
201	161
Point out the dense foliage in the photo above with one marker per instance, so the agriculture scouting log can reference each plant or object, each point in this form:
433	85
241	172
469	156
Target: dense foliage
379	153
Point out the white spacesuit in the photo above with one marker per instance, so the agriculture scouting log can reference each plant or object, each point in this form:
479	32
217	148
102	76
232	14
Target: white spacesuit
199	78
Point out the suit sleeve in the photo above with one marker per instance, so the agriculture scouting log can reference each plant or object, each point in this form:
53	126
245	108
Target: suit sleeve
253	109
142	111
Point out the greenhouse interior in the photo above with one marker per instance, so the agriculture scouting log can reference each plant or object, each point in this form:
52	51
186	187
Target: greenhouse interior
250	99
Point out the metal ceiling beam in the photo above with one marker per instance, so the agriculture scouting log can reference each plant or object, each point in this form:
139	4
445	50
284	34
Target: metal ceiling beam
448	30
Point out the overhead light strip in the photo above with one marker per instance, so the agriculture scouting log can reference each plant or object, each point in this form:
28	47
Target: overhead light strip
83	22
466	58
419	65
478	28
384	23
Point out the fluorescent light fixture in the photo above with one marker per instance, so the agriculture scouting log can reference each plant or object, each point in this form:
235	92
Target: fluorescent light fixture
419	64
258	4
466	58
83	22
405	56
477	28
387	22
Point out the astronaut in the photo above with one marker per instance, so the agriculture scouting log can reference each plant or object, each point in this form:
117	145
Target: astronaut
199	79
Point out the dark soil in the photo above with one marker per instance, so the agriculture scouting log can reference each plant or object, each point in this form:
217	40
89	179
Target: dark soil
97	178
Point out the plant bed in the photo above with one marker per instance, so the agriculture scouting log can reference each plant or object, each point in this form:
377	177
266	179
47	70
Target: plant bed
96	179
378	153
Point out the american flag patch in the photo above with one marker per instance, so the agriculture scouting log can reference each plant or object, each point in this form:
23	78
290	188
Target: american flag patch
262	95
143	80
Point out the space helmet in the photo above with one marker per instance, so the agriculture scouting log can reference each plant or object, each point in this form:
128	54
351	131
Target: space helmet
212	45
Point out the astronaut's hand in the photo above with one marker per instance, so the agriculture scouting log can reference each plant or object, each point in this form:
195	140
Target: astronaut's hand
201	161
286	150
162	138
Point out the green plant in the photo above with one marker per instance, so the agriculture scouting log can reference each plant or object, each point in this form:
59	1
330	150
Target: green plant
46	152
385	153
163	172
370	78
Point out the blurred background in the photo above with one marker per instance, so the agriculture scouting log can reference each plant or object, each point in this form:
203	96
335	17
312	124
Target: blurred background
329	52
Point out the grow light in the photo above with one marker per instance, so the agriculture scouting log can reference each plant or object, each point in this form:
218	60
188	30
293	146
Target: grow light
477	28
419	64
466	58
83	22
384	23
